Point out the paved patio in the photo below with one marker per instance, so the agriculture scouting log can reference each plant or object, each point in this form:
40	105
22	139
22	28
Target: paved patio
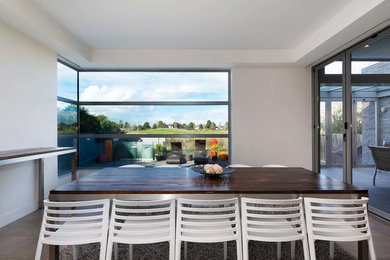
362	177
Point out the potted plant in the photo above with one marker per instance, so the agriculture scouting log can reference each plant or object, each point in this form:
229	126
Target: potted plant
159	151
214	149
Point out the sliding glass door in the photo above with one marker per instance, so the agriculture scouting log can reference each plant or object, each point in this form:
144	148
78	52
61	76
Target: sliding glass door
370	94
351	122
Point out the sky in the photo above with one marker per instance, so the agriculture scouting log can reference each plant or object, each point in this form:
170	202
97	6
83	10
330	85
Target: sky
149	86
357	66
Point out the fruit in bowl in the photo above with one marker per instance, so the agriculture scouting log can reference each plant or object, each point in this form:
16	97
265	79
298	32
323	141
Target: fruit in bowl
213	169
223	156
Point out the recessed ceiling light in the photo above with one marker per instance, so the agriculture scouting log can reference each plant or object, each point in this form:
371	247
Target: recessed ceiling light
367	46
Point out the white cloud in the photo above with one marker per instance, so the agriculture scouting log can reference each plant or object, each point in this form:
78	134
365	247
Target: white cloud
152	86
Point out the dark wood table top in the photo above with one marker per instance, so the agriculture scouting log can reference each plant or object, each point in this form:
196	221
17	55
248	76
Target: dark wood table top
185	181
11	154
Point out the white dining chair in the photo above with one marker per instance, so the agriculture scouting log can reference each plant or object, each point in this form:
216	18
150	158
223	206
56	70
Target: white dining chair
337	220
208	221
74	223
141	222
167	166
269	220
274	166
239	166
132	166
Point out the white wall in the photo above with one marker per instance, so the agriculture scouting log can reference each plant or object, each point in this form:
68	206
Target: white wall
271	116
28	119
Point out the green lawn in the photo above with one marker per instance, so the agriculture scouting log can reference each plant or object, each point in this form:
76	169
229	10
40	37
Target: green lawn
163	131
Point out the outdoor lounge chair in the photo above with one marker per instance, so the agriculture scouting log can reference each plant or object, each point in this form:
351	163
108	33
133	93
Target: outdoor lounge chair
200	148
381	156
176	156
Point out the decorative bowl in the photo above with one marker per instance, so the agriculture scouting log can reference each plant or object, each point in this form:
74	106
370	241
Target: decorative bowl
200	169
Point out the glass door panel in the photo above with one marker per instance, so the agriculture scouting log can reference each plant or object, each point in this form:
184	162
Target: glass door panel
370	89
331	120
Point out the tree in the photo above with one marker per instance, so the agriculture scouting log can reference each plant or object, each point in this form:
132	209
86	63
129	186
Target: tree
127	125
109	127
120	124
191	126
175	125
213	126
134	128
154	126
160	124
200	127
88	123
184	126
208	124
140	127
226	126
337	120
146	125
97	124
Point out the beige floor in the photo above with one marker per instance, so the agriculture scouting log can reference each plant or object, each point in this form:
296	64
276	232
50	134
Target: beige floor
18	239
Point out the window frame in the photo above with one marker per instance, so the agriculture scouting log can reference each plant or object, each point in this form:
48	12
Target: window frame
72	102
79	104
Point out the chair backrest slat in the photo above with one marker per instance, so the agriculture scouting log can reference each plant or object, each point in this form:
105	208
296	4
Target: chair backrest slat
64	220
267	219
139	218
198	219
330	218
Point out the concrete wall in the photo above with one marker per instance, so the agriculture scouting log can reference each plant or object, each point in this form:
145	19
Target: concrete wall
28	119
271	116
368	132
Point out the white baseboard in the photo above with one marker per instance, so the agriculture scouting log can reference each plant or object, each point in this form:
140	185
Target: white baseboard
18	213
379	212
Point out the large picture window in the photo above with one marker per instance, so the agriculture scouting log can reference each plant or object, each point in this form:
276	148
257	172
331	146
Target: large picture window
144	117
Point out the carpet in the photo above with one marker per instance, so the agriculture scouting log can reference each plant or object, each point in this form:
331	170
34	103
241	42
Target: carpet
197	251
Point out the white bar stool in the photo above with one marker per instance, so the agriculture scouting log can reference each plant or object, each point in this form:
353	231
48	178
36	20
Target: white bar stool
142	222
74	223
337	220
273	221
208	221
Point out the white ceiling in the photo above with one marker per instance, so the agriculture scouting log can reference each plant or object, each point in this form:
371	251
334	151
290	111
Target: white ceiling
192	24
195	33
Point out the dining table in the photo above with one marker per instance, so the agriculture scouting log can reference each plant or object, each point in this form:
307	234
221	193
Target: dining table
153	183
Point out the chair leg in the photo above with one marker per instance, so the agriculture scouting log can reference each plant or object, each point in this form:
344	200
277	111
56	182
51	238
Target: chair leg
171	250
130	252
116	251
245	249
109	250
225	250
178	250
278	250
305	249
103	250
185	250
371	249
373	179
312	249
38	252
74	249
331	249
293	249
239	249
